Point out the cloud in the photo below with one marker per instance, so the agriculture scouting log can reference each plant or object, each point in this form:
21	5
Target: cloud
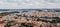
33	4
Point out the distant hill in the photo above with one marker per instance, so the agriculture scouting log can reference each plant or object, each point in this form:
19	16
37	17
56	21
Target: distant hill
4	9
57	10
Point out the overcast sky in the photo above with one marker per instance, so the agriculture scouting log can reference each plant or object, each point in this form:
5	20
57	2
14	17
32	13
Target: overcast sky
29	4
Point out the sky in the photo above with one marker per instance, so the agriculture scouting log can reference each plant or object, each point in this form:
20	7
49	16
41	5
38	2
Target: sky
29	4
